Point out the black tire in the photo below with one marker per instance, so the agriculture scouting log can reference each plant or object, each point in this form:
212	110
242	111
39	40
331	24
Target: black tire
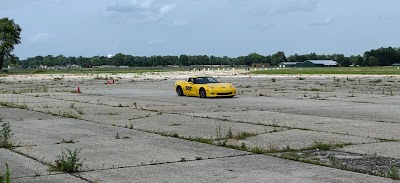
203	93
179	91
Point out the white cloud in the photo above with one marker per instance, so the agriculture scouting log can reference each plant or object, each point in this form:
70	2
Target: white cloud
39	37
327	21
143	10
166	9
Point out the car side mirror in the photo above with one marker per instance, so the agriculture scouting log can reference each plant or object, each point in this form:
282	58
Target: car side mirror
191	82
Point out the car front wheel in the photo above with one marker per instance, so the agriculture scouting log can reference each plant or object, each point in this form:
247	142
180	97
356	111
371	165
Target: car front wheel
179	91
203	93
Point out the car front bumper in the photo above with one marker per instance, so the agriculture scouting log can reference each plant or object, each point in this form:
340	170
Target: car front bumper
224	93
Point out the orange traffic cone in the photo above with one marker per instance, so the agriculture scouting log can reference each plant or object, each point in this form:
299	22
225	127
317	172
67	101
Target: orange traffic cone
78	90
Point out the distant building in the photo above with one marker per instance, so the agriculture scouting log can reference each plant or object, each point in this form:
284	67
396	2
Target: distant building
319	63
288	64
260	65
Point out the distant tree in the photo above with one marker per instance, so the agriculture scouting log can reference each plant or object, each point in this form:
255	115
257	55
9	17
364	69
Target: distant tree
346	62
9	36
356	60
184	60
372	61
278	58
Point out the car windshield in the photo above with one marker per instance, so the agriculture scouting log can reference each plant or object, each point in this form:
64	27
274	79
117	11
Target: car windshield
205	80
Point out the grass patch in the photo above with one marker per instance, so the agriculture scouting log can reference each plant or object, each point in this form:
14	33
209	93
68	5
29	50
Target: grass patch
334	70
324	146
12	105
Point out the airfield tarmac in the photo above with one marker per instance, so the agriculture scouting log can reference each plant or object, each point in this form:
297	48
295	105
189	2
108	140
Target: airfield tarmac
139	130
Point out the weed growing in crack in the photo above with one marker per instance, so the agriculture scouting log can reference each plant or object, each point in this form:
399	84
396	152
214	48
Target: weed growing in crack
6	178
70	115
257	150
394	173
243	147
324	147
63	141
229	134
243	135
69	161
5	135
80	111
218	132
12	105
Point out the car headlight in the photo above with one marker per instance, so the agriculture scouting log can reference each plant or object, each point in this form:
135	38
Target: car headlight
232	86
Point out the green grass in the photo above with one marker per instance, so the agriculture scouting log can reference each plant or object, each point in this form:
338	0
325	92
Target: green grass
335	70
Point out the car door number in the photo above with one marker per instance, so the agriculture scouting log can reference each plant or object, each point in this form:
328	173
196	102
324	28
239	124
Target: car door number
188	88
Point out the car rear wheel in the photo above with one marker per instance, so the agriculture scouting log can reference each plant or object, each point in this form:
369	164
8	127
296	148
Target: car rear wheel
179	91
203	93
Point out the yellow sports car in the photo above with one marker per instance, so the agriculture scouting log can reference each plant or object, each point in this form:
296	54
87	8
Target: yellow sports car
204	87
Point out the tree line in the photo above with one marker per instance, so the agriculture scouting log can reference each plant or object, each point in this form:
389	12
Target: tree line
10	36
375	57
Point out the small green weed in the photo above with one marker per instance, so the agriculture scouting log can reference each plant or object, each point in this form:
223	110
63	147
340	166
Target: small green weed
5	135
63	141
243	135
394	173
6	178
257	150
376	81
69	161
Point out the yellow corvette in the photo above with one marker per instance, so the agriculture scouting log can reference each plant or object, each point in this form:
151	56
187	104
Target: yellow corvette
204	87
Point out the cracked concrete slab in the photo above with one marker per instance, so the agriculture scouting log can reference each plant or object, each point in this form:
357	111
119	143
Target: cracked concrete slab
64	178
254	168
299	139
189	126
21	166
384	149
53	131
335	109
361	128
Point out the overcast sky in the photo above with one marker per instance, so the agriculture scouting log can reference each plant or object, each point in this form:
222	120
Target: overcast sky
207	27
